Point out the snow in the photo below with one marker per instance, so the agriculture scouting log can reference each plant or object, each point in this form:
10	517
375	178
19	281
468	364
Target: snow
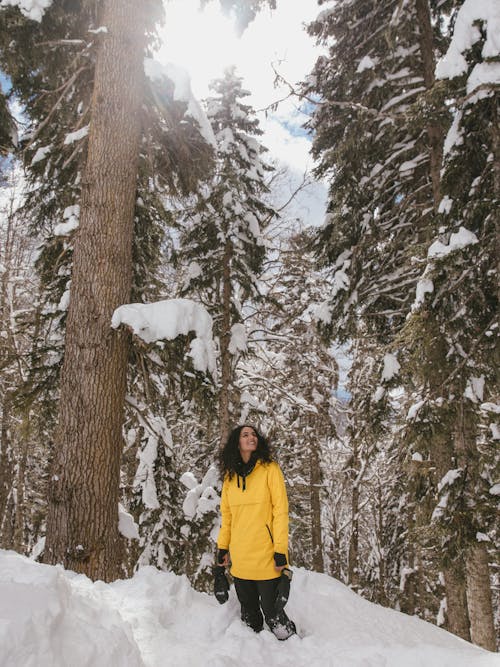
53	618
365	63
182	92
32	9
416	456
72	217
482	74
466	33
458	241
424	286
76	136
445	204
201	498
449	478
475	389
41	154
168	319
97	31
414	410
126	524
391	367
238	342
495	490
454	136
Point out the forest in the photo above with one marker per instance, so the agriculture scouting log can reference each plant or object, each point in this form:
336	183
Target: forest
154	293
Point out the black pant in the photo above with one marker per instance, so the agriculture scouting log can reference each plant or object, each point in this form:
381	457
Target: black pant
256	595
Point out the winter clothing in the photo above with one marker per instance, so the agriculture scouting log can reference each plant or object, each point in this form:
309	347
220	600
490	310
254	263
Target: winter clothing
220	555
254	595
283	590
221	584
254	508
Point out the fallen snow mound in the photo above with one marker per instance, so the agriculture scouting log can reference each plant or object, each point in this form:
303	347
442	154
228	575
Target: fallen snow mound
53	618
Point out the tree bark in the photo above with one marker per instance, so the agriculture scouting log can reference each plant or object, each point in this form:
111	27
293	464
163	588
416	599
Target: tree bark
82	527
457	618
225	339
352	568
314	496
479	602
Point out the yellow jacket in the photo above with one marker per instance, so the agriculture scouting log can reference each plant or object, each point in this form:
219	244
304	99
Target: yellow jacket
255	521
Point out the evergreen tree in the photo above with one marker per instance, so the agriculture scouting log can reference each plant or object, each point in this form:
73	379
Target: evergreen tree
457	296
222	240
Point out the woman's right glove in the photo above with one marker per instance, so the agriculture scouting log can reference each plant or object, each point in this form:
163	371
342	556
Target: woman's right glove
221	584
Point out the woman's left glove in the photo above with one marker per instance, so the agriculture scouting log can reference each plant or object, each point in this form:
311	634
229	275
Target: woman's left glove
283	589
221	584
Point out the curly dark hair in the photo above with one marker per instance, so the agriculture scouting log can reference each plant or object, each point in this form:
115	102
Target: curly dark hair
230	456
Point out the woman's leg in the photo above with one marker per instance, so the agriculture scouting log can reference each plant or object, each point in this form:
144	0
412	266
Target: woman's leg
279	623
248	595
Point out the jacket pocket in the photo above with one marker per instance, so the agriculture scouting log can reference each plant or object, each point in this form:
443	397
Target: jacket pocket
270	534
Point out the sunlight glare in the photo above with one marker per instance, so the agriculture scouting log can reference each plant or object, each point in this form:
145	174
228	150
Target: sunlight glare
202	42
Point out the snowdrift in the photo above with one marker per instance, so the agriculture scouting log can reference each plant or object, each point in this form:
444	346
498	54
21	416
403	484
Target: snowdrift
50	617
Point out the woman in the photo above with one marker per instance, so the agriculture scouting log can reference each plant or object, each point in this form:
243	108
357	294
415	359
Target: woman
254	530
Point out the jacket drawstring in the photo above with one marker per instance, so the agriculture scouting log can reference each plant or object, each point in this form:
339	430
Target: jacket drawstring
243	481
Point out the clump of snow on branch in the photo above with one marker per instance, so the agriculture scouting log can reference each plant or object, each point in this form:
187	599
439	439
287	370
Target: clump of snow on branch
71	216
182	92
165	320
391	367
365	63
126	524
238	342
202	497
41	154
458	241
76	136
475	389
32	9
466	33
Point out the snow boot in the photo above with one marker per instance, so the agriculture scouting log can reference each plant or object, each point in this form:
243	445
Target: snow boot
282	627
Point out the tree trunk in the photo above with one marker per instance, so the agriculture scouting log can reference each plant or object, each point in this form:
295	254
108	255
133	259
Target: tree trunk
434	130
6	462
225	339
457	618
479	602
353	570
82	526
314	496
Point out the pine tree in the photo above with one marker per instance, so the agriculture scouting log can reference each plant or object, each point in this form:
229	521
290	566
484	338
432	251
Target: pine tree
222	239
458	295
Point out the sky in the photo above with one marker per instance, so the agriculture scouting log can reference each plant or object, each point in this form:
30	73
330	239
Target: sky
205	43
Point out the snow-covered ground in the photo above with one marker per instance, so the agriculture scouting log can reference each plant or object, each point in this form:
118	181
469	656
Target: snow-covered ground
53	618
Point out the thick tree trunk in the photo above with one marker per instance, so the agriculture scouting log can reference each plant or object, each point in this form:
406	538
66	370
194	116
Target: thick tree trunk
479	602
314	496
225	339
82	527
457	618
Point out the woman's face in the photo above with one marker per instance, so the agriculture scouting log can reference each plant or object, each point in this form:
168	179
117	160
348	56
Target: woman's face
248	440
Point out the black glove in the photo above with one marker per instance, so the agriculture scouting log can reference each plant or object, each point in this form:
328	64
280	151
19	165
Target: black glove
283	590
279	559
220	555
221	584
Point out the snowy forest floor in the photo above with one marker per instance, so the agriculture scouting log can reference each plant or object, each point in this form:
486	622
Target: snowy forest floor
53	618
